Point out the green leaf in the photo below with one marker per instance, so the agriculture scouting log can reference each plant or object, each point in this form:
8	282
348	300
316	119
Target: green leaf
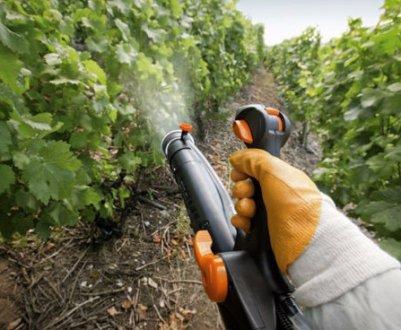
126	54
394	154
61	216
130	162
25	200
53	59
390	195
91	197
10	67
94	68
387	41
370	97
42	228
20	159
98	46
10	98
65	81
176	8
392	246
40	121
123	194
124	29
50	172
7	178
391	104
12	40
29	126
380	165
122	5
395	88
353	113
154	35
5	140
390	217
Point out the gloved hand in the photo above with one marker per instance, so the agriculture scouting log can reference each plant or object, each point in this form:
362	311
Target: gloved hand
292	202
323	252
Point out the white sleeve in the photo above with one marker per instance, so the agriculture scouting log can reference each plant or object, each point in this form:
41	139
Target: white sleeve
344	280
372	305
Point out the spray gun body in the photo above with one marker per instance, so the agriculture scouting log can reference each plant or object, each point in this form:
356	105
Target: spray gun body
207	202
239	271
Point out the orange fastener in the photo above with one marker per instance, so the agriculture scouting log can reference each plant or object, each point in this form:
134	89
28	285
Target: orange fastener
186	127
214	274
273	111
242	131
276	113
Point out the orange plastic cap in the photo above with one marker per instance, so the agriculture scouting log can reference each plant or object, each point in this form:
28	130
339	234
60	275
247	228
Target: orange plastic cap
242	131
214	274
186	127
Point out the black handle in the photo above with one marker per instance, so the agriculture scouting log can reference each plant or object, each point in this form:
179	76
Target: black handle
270	130
269	127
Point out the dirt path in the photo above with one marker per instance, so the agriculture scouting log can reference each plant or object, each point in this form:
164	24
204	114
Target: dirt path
145	279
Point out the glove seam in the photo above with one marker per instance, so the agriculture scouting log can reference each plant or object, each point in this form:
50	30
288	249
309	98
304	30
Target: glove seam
294	191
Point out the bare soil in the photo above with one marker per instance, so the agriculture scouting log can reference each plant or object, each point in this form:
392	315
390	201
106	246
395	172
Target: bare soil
146	279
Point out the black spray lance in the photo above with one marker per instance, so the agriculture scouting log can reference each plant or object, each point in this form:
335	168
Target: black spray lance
239	270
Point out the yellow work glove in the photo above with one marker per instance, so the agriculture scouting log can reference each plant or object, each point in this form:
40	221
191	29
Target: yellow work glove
292	200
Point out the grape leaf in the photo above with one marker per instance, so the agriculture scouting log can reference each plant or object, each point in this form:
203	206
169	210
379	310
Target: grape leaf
50	172
94	68
10	67
370	97
126	54
12	40
5	140
392	246
129	161
7	178
390	217
395	88
124	29
61	216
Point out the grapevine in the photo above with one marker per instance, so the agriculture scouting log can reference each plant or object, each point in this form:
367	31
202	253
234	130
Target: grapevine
88	87
349	91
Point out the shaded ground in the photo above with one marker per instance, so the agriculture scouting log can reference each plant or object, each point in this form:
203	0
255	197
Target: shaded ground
145	279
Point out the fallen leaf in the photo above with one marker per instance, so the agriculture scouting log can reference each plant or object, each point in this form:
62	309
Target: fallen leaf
142	312
156	238
127	303
14	324
48	247
172	323
112	311
179	316
187	313
183	254
152	283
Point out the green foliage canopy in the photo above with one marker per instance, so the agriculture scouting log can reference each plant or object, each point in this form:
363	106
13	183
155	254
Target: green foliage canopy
86	88
349	91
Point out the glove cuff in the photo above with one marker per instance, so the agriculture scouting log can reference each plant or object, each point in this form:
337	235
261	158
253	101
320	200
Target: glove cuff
338	259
